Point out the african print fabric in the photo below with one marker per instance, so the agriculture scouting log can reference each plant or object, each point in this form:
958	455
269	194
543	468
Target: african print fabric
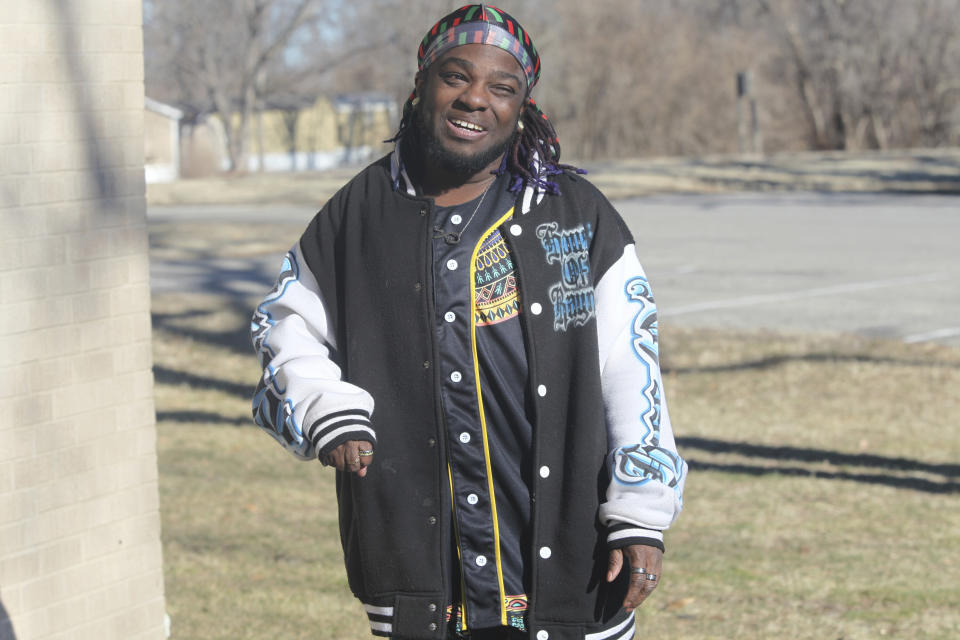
516	607
495	284
481	24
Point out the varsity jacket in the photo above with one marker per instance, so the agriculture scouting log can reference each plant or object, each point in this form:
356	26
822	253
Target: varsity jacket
349	326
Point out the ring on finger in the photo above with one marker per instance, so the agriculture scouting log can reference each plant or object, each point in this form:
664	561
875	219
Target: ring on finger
652	577
638	570
365	453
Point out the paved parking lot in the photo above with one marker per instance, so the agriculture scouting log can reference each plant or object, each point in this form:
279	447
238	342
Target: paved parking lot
880	265
872	264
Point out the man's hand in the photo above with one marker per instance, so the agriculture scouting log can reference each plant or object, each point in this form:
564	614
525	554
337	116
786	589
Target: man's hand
644	562
353	456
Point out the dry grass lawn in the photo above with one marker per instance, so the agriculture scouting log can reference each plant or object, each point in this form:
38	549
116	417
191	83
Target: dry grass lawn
823	499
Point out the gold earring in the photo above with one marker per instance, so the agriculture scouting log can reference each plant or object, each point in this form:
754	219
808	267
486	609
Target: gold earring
520	126
415	101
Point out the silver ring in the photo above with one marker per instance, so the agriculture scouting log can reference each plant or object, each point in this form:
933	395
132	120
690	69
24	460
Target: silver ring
638	570
652	577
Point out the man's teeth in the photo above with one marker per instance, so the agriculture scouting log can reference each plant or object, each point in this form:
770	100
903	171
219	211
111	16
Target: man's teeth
463	124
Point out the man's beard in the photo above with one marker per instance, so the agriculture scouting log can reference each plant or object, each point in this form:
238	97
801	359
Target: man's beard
460	164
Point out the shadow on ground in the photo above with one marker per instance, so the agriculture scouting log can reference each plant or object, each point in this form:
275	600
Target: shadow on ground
886	468
772	362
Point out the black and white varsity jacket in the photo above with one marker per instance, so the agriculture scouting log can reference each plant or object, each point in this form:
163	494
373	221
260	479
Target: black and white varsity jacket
349	326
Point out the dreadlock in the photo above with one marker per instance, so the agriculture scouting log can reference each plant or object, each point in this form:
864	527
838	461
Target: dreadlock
535	143
533	156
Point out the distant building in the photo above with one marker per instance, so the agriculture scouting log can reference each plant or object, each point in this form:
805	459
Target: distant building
363	123
347	129
161	141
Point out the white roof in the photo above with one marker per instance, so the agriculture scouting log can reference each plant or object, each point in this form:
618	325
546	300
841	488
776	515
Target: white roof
163	109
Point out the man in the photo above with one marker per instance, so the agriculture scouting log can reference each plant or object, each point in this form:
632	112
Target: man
488	302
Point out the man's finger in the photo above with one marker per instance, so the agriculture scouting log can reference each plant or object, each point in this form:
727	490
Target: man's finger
365	451
644	562
347	457
614	564
338	457
351	453
635	594
640	587
335	458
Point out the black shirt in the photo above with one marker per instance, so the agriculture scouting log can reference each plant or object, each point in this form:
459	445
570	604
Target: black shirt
484	394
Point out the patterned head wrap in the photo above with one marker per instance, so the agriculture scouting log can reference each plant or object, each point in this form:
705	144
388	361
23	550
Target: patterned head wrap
534	156
481	24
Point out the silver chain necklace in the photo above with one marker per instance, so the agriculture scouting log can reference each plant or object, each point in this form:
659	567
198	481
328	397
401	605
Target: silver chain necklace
453	237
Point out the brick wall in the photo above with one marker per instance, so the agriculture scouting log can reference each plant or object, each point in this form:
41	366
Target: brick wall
79	518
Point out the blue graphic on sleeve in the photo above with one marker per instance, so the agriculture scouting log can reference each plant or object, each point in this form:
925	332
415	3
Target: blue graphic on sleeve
262	321
271	411
644	342
639	463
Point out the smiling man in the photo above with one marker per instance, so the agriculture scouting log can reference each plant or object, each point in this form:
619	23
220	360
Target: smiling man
465	333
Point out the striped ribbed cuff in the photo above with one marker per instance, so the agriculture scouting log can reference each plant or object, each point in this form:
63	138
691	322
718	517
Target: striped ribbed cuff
621	535
333	429
381	620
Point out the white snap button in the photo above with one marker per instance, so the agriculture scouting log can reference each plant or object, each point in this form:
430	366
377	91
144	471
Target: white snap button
536	309
542	390
456	219
542	634
456	377
544	471
452	265
464	437
545	552
472	498
515	229
481	561
449	316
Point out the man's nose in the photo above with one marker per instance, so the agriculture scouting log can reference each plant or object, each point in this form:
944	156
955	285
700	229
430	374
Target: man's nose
474	97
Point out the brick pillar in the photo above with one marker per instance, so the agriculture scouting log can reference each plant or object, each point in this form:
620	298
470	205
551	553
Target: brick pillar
79	516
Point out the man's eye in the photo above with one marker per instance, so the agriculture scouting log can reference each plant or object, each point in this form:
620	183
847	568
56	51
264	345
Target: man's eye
452	76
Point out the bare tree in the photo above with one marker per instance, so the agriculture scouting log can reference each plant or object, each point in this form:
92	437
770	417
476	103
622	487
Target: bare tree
853	65
621	78
219	51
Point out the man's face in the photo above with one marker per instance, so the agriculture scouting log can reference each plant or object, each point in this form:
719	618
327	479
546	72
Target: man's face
470	102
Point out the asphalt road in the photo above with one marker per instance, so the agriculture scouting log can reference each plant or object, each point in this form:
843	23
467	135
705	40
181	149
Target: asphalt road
880	265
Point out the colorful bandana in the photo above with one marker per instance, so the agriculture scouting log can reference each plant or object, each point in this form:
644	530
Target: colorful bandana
481	24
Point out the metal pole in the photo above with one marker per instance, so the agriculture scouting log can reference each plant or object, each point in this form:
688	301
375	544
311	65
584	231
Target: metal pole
743	90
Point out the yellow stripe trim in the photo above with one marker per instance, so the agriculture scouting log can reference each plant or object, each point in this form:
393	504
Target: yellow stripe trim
483	421
456	530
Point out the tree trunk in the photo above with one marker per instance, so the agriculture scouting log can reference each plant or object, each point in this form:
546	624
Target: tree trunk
261	161
291	119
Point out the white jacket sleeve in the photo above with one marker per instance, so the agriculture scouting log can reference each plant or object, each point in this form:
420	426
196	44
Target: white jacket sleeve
646	473
301	399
